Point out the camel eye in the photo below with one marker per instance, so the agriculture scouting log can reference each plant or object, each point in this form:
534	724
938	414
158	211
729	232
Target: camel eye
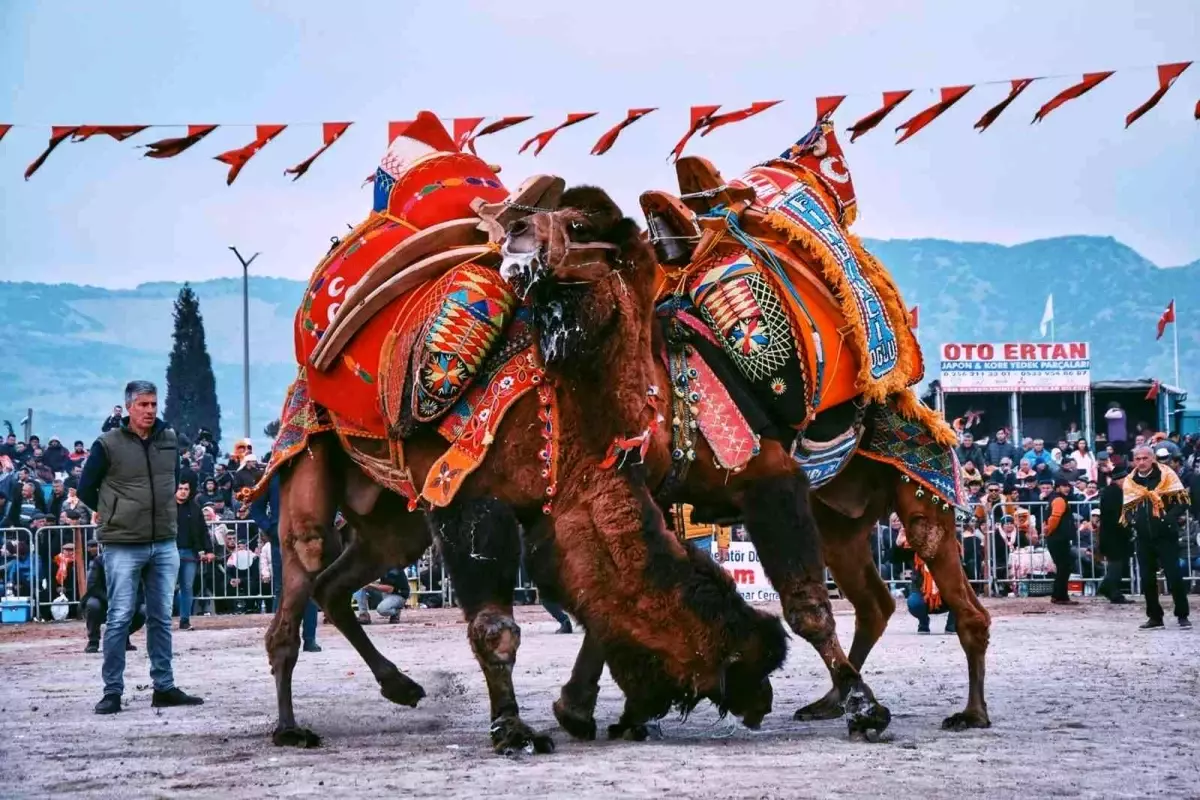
577	226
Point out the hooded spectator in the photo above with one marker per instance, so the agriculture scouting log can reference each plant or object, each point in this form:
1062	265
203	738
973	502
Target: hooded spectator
57	457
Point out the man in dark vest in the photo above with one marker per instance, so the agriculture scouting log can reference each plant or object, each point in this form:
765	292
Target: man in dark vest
1116	545
1154	502
130	479
1060	532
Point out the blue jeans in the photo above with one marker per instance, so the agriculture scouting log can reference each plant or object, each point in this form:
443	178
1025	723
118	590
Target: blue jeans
703	544
308	628
920	609
187	579
125	566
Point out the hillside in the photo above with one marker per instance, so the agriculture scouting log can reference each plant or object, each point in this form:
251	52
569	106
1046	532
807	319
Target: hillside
72	348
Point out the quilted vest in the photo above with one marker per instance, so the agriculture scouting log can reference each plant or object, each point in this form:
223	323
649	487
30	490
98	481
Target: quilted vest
137	495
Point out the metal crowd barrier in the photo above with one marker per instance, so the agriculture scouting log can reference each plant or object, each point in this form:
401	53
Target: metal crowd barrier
18	600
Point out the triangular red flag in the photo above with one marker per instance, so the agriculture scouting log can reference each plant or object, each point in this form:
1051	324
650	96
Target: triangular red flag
4	129
427	129
890	101
700	116
989	116
1090	81
169	148
462	129
1166	319
58	135
118	132
1154	387
1167	73
950	95
914	317
543	138
331	132
737	116
605	142
236	159
504	123
827	105
1196	113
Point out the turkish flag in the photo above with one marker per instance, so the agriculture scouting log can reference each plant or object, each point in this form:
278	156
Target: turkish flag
542	139
989	116
1166	319
4	129
331	132
949	96
169	148
236	159
58	135
700	117
1090	81
890	101
1167	73
609	138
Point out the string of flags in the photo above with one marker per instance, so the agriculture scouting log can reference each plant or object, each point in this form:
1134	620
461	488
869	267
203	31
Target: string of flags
702	120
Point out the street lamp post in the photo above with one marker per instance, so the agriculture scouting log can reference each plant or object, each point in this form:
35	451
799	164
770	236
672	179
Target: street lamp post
245	337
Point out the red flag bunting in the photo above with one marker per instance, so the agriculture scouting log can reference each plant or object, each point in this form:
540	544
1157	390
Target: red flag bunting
914	317
4	129
504	123
827	105
1166	319
118	132
169	148
605	142
1167	73
331	131
1196	113
950	95
1154	388
989	116
543	138
58	135
236	159
700	116
890	101
1090	81
737	116
462	129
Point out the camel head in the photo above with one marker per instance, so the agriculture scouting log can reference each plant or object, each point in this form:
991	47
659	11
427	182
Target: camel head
580	267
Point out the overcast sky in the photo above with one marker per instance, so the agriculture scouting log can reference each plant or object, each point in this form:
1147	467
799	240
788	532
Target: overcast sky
100	214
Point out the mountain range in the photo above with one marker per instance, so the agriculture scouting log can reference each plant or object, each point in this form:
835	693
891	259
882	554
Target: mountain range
72	348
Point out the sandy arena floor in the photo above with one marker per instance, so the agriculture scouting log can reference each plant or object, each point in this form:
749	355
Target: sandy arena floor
1082	704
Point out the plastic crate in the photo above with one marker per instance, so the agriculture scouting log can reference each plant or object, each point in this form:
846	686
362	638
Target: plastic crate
14	610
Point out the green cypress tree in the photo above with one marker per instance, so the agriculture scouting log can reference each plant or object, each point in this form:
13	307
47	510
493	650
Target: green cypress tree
191	386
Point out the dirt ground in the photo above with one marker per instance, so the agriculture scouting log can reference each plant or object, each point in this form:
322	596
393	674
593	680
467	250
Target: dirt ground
1082	704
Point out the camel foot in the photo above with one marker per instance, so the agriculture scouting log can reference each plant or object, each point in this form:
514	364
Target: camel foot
866	716
295	737
578	723
970	718
401	689
641	732
511	736
828	707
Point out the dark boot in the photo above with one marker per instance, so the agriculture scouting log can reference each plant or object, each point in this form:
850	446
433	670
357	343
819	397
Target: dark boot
111	704
92	647
174	697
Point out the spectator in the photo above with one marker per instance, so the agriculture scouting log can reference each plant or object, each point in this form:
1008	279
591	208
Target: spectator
1073	434
29	502
73	503
1004	473
21	571
560	616
969	452
1000	448
114	420
56	457
1084	460
131	477
1068	470
390	593
192	542
78	455
208	492
9	448
72	481
188	475
1037	455
265	512
1115	422
248	473
95	606
924	598
224	482
58	496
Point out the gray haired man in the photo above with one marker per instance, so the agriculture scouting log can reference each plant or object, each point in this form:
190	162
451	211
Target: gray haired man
130	477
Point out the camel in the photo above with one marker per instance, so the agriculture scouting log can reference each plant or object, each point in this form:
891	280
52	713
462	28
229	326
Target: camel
769	492
676	633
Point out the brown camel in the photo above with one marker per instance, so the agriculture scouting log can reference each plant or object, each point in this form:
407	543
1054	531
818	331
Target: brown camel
770	496
673	626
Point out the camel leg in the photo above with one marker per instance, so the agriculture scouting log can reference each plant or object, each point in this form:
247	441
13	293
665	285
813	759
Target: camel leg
575	708
374	548
848	553
306	511
931	533
781	525
481	545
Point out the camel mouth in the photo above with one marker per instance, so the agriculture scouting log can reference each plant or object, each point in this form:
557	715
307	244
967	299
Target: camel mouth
520	268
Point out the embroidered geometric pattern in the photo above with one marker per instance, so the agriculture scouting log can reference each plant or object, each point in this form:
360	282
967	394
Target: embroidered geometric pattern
726	430
745	312
910	447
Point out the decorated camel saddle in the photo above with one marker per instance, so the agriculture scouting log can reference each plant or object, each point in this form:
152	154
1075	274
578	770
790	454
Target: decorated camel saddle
779	323
406	322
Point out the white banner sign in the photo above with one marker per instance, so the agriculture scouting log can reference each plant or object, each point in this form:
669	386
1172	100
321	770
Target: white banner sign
1016	367
747	572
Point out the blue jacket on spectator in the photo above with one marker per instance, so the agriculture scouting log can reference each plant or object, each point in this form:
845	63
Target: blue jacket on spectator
1035	459
265	510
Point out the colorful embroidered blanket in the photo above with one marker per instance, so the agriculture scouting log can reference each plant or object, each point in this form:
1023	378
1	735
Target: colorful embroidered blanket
916	444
